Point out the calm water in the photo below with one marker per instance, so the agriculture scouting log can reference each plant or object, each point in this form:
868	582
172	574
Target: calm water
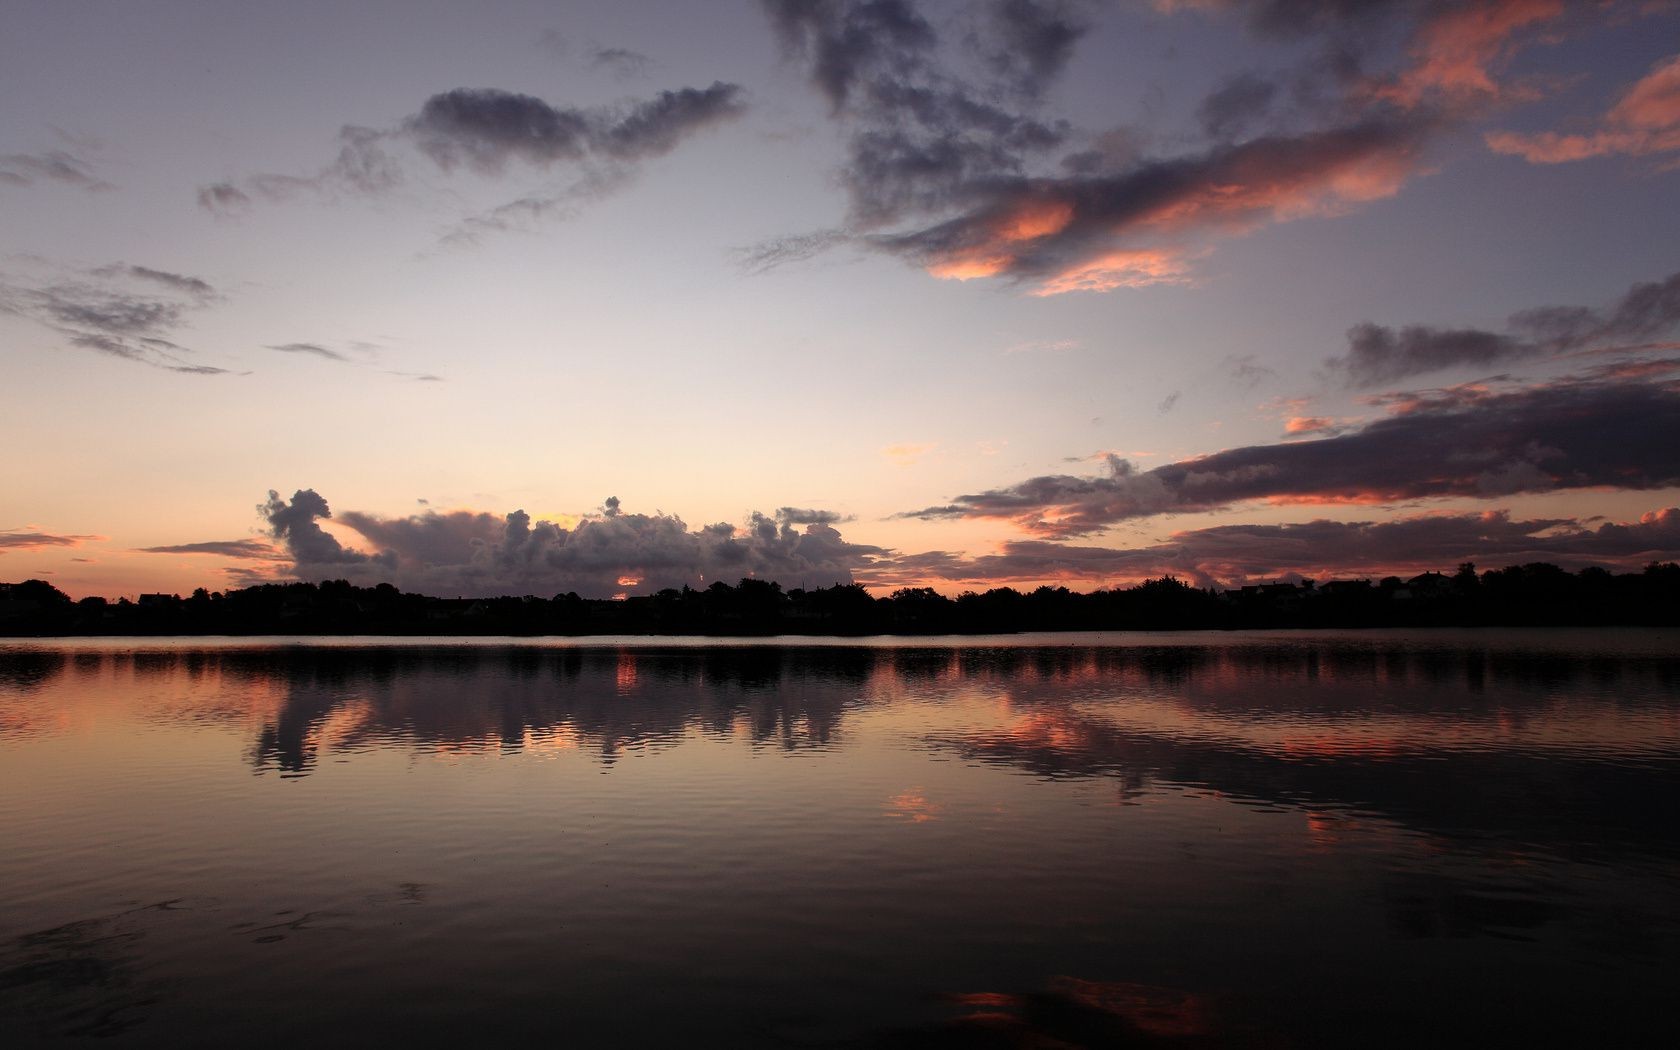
1378	839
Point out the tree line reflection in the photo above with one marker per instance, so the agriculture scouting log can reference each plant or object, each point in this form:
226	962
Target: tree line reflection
1570	751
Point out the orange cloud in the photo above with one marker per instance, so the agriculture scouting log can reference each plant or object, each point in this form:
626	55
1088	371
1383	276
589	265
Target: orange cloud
1455	50
906	454
1122	269
1646	120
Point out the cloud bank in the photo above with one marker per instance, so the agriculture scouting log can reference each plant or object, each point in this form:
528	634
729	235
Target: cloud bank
1476	440
610	552
1232	555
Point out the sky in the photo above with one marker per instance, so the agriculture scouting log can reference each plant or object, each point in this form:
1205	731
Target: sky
606	297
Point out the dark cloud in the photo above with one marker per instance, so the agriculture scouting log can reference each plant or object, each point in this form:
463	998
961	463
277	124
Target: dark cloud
1247	370
296	525
314	349
470	552
1067	230
623	62
1236	106
116	310
1032	41
923	138
13	540
655	127
964	176
26	169
223	198
486	130
221	548
1377	354
1476	441
193	286
852	39
1230	555
808	516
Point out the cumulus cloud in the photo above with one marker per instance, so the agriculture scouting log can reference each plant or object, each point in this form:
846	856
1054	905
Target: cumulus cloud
1377	354
1645	120
479	553
27	169
487	131
1594	430
125	311
1229	555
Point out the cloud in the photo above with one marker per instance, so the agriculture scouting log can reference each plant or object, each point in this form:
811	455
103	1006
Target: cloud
807	516
26	169
906	453
176	282
965	177
1064	231
487	130
1247	371
1456	47
1238	105
798	247
117	310
1230	555
18	540
256	549
478	553
296	525
622	62
1469	441
1453	53
1377	354
1645	120
314	349
1032	41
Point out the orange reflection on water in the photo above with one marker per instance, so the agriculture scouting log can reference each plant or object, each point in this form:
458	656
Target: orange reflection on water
913	806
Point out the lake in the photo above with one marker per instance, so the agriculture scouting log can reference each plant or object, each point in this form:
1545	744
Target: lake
1390	838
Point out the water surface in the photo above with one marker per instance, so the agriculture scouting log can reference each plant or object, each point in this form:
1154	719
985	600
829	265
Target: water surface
1279	840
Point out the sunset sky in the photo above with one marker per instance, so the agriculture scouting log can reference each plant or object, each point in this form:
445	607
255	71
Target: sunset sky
532	297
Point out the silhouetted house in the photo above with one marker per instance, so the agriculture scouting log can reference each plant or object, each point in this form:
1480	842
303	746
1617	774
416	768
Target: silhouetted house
1345	588
156	601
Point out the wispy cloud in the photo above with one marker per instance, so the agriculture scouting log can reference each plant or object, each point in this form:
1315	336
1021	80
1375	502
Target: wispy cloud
27	169
488	132
124	311
252	549
17	539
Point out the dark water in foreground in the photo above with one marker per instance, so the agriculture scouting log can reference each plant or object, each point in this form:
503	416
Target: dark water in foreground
1380	839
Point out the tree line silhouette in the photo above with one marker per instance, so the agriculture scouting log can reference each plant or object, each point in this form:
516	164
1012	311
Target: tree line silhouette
1536	594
